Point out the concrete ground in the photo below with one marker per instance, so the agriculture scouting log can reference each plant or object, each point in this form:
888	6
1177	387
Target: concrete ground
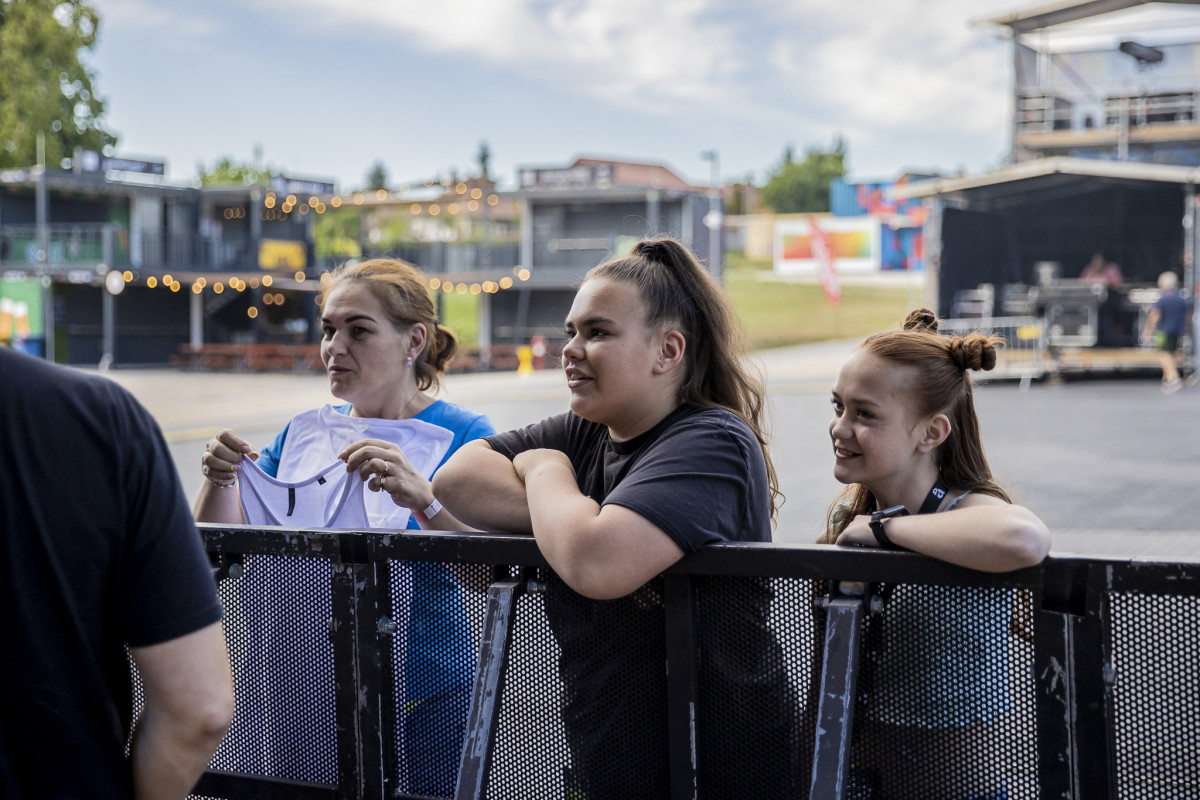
1112	466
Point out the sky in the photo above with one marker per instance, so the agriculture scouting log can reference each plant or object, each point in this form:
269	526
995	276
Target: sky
325	88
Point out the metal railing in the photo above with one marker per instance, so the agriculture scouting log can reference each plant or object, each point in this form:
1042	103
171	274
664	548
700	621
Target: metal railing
1091	678
1023	356
87	246
574	251
1040	110
69	245
445	258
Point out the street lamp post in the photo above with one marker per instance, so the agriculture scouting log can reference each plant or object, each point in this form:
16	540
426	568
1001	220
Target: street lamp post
713	220
42	221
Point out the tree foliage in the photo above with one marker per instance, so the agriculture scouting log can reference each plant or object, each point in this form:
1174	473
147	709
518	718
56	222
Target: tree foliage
337	232
485	160
803	186
377	177
44	85
228	172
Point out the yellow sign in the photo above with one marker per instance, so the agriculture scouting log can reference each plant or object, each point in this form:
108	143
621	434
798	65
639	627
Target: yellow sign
281	254
1027	332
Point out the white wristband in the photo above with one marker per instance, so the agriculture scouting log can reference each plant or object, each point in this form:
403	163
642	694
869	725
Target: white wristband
433	510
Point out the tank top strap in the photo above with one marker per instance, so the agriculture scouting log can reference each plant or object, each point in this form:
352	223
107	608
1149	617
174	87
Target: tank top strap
953	503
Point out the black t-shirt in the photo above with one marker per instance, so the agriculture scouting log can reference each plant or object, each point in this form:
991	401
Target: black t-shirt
97	550
699	475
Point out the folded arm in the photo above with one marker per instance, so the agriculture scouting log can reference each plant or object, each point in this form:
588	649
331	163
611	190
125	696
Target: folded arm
480	487
601	552
983	533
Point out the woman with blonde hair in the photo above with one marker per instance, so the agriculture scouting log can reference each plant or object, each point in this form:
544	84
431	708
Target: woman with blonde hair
384	351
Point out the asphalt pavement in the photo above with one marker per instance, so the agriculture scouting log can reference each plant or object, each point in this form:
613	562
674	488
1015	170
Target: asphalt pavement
1111	465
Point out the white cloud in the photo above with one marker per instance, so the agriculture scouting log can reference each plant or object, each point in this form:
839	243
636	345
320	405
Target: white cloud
881	67
625	51
863	67
151	17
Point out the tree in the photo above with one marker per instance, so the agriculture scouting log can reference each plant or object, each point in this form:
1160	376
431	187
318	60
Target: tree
227	171
46	88
377	177
485	158
337	232
797	187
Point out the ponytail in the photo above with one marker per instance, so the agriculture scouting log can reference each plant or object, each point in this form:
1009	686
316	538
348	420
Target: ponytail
679	293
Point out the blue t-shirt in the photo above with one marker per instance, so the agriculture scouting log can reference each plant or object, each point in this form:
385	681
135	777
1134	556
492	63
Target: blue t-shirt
439	633
1172	309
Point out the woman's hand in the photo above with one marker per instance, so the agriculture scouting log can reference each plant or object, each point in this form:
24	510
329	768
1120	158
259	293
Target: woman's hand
858	533
219	465
526	462
386	469
982	532
221	456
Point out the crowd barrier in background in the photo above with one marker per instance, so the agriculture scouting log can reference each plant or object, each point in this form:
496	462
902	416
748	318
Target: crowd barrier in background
1093	694
1024	355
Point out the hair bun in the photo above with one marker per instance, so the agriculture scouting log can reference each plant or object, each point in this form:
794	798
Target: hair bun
922	319
662	250
974	352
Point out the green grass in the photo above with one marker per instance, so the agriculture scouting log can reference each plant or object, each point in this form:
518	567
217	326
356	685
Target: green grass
736	261
775	313
778	313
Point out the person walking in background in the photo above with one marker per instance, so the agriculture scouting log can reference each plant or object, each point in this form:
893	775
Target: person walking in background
1165	324
99	552
906	443
661	453
383	349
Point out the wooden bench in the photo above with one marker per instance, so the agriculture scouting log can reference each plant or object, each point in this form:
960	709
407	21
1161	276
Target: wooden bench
307	358
250	357
498	357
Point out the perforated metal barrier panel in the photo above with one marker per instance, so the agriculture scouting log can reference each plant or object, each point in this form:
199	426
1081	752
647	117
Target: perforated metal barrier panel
1156	691
277	627
428	673
531	757
946	698
334	646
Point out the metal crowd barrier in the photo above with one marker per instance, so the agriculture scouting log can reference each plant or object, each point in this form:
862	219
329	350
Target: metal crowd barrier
1085	686
1023	356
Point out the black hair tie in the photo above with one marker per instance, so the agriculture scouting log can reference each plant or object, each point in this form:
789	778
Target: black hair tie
655	251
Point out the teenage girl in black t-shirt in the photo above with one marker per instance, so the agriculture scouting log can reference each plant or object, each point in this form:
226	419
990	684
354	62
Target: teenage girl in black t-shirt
662	452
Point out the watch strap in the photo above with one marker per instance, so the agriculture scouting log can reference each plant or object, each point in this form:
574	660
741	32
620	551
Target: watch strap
877	520
877	527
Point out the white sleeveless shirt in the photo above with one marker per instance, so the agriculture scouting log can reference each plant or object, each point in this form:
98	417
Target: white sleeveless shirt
309	468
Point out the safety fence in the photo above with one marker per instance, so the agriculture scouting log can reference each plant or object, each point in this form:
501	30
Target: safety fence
1024	355
417	665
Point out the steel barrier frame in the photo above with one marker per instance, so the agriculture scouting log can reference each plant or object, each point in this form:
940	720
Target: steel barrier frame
1074	675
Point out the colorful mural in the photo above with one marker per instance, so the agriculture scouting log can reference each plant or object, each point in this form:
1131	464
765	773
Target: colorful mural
20	311
845	244
853	244
902	246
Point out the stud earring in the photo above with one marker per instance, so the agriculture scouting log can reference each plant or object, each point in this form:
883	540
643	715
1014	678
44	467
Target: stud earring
409	362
